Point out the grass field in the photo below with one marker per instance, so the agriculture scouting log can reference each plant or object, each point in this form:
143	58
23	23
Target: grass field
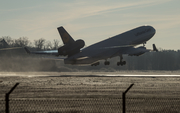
89	93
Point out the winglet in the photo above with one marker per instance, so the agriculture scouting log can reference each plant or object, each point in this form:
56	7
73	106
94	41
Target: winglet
154	48
27	50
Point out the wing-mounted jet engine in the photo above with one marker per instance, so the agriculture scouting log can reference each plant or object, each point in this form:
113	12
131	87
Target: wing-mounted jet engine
138	51
70	47
141	50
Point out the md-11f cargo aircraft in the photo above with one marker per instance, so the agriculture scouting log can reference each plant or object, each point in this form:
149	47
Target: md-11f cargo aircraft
119	45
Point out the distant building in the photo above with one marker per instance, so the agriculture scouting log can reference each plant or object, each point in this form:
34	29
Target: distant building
3	44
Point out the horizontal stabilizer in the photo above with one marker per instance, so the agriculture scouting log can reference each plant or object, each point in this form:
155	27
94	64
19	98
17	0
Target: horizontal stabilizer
27	50
10	48
48	52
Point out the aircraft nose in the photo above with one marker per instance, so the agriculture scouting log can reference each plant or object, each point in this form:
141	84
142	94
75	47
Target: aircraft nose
153	30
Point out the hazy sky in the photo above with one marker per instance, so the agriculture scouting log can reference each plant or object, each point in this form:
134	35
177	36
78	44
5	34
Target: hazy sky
92	20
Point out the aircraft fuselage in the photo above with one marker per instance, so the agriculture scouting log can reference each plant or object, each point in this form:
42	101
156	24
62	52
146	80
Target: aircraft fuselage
103	48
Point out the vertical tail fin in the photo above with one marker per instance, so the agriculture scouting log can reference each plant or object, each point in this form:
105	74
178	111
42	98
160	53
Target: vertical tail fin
66	38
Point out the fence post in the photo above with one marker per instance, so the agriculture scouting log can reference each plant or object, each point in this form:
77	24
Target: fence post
7	97
124	98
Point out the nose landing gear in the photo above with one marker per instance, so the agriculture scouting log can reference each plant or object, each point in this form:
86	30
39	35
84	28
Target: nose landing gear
144	44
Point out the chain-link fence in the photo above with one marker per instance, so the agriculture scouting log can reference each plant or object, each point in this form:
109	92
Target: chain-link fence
88	99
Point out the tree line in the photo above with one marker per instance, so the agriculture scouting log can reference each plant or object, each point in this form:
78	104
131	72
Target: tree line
39	44
162	60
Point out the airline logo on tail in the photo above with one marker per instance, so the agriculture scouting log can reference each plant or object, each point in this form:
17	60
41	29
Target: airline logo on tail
65	38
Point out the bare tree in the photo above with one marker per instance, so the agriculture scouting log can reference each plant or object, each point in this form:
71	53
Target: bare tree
22	41
39	44
48	45
56	44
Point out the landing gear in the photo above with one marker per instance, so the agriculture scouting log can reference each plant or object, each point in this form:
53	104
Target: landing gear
144	44
121	62
95	64
106	63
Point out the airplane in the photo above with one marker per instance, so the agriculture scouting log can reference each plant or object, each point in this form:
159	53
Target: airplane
119	45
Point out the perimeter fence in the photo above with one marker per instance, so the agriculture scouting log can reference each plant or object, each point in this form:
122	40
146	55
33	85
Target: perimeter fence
88	99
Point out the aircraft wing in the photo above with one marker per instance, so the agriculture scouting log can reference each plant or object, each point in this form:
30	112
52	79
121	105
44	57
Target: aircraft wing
138	51
110	52
131	51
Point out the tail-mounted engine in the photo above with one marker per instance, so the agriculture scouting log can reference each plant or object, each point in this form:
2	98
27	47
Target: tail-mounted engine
71	48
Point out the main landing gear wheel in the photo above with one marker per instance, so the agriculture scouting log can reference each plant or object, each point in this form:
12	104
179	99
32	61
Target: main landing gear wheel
121	62
106	63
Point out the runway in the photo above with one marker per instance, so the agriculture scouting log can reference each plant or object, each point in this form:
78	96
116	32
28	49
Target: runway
91	78
94	74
